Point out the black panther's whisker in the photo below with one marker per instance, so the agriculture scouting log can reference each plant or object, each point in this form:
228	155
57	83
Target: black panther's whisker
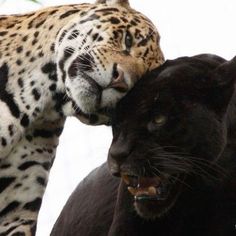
157	172
182	164
194	161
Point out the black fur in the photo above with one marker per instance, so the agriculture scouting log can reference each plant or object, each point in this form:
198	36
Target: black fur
5	96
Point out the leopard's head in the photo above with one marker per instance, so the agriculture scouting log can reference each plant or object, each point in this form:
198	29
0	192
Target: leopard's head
171	129
103	53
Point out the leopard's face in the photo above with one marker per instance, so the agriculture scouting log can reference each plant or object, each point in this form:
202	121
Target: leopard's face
170	131
102	55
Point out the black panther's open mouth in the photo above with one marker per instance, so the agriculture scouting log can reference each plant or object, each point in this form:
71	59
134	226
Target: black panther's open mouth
153	196
147	188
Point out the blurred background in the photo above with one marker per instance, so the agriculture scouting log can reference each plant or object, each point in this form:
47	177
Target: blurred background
187	27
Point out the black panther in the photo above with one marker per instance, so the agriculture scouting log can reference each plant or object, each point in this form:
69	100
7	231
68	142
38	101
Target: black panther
174	148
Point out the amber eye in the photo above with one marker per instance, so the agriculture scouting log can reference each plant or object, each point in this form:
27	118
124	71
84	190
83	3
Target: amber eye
156	123
160	120
128	40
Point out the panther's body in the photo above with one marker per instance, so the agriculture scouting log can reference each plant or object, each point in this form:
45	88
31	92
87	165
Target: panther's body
176	154
66	60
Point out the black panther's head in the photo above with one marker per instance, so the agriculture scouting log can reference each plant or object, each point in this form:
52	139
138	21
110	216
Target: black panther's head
171	128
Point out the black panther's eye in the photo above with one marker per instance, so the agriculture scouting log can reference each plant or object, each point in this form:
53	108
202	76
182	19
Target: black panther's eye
160	120
128	40
156	123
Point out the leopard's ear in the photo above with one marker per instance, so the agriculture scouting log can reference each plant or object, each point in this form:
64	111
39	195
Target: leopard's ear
124	3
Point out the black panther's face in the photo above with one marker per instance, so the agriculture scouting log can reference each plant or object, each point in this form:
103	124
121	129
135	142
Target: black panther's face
171	128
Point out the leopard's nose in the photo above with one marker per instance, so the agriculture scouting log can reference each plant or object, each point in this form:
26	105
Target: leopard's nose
118	79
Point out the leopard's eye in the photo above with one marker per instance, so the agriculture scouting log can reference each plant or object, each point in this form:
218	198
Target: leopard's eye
128	40
160	120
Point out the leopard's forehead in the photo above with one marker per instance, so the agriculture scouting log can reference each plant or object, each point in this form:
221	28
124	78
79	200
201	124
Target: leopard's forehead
118	16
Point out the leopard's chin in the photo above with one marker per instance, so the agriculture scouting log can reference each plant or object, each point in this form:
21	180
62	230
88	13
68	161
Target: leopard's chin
93	118
153	196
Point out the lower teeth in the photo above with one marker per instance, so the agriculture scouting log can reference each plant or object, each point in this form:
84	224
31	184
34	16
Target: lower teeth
149	198
152	191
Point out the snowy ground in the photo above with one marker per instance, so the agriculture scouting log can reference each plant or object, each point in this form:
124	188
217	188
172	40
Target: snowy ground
187	27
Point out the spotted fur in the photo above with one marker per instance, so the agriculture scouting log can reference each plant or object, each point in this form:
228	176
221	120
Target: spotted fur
74	60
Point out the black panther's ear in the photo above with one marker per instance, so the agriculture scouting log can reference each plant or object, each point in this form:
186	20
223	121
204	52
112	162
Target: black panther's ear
225	74
222	85
124	3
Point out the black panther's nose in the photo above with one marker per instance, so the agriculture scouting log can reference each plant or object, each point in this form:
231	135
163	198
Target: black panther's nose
118	153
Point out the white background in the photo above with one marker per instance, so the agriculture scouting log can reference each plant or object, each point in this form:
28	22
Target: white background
187	27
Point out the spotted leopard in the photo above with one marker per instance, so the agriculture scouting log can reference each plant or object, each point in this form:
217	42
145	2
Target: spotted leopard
72	60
